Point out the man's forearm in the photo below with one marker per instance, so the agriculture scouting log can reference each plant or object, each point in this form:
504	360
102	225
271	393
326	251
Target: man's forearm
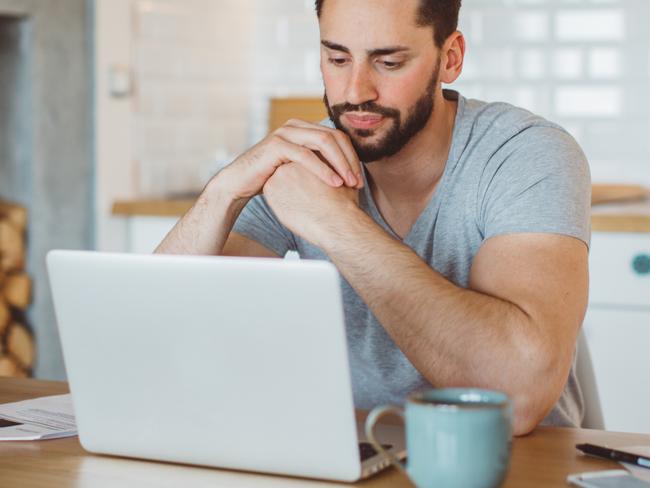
204	229
453	336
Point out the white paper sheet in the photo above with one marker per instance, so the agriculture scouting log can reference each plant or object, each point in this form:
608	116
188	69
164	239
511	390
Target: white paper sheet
47	417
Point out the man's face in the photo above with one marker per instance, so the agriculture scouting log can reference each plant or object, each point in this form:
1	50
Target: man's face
380	72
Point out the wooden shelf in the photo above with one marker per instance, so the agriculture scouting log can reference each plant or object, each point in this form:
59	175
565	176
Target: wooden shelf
152	208
631	216
621	217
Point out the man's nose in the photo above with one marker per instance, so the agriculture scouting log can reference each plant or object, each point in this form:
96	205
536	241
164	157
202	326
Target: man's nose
361	87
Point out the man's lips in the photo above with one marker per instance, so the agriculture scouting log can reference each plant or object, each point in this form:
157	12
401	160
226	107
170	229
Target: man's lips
363	121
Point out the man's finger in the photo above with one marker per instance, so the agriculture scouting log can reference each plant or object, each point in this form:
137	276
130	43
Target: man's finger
323	142
290	152
340	139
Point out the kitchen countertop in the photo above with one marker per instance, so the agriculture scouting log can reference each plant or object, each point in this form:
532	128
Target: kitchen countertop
171	207
621	217
606	217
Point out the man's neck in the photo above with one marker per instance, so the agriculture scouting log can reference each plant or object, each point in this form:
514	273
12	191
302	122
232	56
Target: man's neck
412	174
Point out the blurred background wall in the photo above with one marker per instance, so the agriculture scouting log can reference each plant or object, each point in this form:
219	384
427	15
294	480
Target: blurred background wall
132	99
206	69
46	142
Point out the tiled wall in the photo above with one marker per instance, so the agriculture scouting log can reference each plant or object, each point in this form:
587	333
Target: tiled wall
193	78
582	63
205	70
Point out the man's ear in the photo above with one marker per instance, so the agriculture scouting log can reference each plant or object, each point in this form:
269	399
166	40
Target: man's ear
452	57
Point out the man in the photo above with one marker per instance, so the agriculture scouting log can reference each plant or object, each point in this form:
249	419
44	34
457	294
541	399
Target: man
462	237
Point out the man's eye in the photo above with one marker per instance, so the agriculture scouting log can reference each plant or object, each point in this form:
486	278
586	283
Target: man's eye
338	61
392	64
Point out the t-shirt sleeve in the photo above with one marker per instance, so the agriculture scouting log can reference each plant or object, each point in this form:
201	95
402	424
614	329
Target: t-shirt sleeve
258	222
539	181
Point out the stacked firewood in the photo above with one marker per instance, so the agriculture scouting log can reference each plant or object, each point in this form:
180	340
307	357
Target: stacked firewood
16	340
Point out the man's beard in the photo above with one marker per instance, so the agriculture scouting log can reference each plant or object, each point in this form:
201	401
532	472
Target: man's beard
398	135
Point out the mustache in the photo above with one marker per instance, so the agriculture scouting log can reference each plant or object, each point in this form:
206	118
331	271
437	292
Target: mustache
369	107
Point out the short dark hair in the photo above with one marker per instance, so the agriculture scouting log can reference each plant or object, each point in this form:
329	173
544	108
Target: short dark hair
442	15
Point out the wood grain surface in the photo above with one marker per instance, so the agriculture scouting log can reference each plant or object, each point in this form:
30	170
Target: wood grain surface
542	459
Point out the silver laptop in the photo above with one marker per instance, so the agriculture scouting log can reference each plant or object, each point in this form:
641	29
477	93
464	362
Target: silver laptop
238	363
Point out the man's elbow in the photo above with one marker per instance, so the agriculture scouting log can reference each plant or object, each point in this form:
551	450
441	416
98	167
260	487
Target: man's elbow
538	387
532	403
526	414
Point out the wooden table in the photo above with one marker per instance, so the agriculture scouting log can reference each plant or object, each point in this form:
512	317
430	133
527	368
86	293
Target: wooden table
543	458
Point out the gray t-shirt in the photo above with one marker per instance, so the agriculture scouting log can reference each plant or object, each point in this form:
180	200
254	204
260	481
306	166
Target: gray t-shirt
508	171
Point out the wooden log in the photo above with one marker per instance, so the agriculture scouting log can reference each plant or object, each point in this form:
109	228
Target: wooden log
17	290
16	214
5	317
20	345
9	366
12	247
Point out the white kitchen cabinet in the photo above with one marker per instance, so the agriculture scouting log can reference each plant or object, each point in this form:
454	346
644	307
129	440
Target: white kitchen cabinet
145	233
619	344
620	269
617	328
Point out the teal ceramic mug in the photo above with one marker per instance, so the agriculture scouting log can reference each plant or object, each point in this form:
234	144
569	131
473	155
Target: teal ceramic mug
455	437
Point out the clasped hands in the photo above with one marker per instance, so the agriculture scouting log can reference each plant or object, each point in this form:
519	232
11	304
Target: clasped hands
309	174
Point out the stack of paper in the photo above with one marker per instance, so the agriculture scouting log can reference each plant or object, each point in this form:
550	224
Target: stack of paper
48	417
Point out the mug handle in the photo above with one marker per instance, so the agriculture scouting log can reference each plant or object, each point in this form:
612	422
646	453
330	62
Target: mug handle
375	415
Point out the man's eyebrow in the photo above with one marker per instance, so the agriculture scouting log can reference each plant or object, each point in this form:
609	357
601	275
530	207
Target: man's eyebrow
382	51
385	51
335	47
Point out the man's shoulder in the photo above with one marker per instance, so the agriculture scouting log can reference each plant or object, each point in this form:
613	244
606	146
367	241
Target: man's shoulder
505	141
504	118
499	129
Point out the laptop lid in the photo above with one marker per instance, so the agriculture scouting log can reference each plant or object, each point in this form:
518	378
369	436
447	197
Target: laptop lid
227	362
